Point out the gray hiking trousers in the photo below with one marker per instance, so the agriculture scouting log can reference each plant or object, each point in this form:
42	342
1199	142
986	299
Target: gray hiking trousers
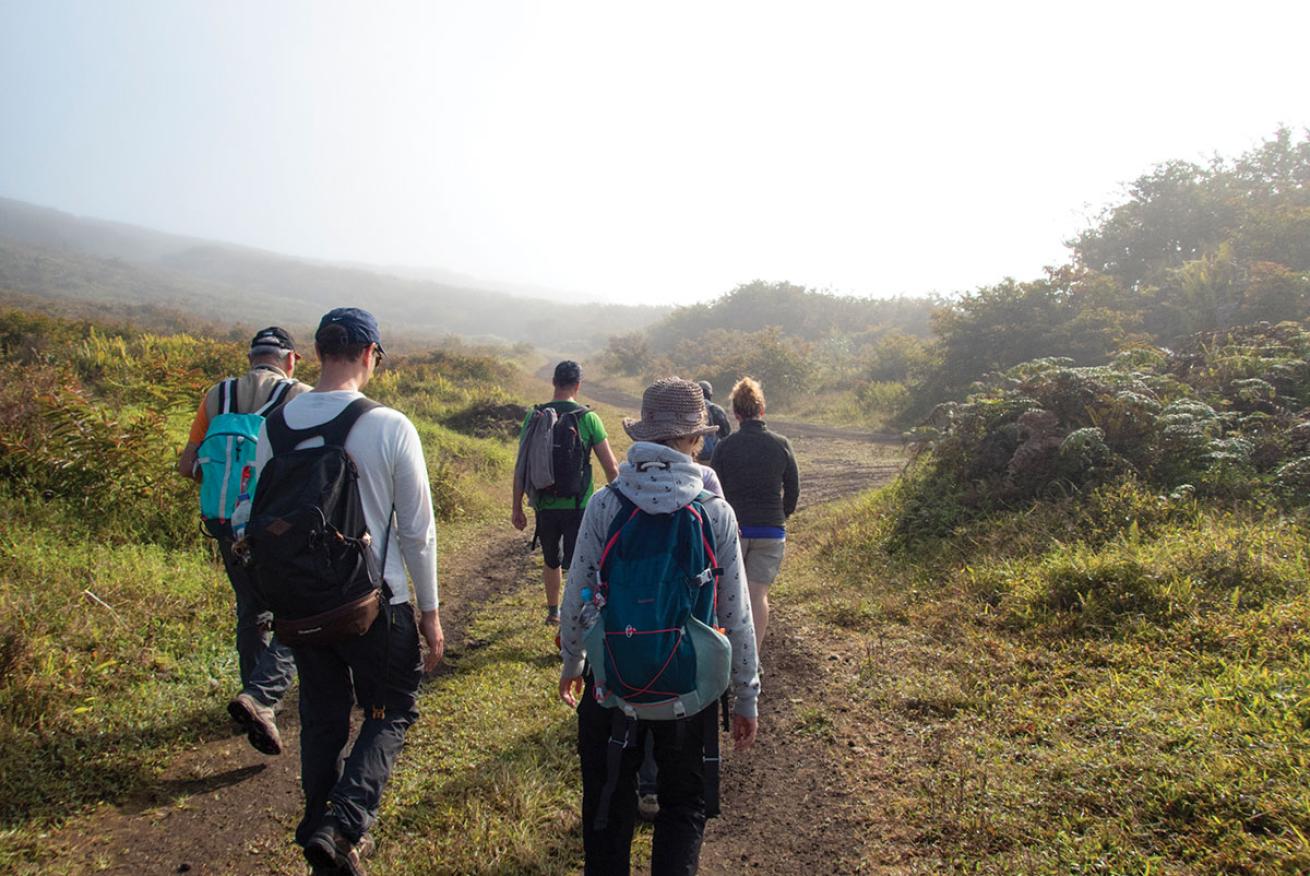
267	665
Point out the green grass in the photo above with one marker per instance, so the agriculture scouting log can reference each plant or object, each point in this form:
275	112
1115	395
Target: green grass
111	657
489	782
1134	701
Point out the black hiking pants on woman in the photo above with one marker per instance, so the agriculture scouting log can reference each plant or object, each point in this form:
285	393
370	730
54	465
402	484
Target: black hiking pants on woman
679	827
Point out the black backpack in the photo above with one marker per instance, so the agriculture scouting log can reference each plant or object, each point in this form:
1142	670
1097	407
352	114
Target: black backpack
308	541
569	456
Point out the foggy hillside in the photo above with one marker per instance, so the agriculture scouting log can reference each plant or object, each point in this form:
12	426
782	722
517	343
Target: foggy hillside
64	259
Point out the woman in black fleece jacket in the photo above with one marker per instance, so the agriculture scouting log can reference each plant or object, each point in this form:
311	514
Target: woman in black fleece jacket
761	483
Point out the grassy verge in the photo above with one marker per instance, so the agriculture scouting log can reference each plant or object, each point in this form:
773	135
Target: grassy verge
115	617
1116	685
111	657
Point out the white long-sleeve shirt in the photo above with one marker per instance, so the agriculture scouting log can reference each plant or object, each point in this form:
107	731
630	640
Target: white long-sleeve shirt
392	472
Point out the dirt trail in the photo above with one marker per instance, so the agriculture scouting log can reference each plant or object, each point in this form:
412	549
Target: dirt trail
798	803
223	808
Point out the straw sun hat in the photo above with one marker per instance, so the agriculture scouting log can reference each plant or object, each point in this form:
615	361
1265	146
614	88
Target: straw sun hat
670	408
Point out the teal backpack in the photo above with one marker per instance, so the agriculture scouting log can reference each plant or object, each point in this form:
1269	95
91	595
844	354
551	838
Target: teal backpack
654	651
226	456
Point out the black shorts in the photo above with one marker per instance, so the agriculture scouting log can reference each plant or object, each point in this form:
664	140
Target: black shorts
556	527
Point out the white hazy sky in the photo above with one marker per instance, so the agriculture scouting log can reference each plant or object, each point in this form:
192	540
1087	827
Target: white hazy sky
659	151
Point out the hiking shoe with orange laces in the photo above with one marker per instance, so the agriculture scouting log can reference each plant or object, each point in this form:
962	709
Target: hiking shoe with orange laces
330	851
258	722
364	848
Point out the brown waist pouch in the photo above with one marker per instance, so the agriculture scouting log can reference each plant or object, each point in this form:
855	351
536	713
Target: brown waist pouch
343	622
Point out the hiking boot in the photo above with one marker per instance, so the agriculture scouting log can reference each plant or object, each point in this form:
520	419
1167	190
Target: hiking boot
648	806
258	722
329	851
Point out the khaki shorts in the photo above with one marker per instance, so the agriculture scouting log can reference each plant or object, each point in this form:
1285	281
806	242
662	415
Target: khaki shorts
762	558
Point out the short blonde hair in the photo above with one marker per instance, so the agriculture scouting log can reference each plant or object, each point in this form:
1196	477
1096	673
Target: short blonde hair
747	398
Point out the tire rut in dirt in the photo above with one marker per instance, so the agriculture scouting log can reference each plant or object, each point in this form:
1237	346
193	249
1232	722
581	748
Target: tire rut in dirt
786	808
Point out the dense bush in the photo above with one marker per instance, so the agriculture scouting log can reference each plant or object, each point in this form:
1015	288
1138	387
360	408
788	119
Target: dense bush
1227	416
90	420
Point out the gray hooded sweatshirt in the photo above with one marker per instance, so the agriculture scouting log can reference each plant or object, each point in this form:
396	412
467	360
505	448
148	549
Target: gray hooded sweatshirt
658	480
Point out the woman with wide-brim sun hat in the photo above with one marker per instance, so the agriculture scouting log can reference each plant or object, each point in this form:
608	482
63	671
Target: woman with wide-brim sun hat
659	476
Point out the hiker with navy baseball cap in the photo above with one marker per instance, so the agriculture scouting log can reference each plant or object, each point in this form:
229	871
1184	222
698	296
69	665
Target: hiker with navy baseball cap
361	327
343	605
220	453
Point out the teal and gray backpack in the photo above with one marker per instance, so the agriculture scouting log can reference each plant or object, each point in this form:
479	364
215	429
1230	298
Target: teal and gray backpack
226	456
654	651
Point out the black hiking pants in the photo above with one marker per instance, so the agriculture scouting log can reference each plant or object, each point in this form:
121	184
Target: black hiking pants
557	530
383	677
680	826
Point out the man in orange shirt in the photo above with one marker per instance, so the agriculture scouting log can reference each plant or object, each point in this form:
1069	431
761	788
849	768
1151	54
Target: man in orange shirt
266	666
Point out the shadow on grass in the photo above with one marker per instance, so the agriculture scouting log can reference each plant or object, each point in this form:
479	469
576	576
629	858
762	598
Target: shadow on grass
174	789
48	780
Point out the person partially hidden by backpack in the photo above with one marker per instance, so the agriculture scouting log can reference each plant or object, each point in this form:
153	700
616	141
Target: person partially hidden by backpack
762	483
718	417
343	509
554	471
656	627
219	450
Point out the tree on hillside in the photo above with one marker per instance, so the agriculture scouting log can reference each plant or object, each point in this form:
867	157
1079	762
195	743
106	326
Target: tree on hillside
1071	313
1180	211
781	363
1192	249
804	313
1173	215
628	354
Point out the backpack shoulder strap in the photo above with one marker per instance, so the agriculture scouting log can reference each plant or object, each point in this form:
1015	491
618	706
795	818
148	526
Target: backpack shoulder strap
282	438
627	510
276	398
227	396
626	505
577	413
335	430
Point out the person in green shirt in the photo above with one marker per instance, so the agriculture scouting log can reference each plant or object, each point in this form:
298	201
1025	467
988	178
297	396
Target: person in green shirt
558	517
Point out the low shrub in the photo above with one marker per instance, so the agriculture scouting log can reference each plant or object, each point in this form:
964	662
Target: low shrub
1225	418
